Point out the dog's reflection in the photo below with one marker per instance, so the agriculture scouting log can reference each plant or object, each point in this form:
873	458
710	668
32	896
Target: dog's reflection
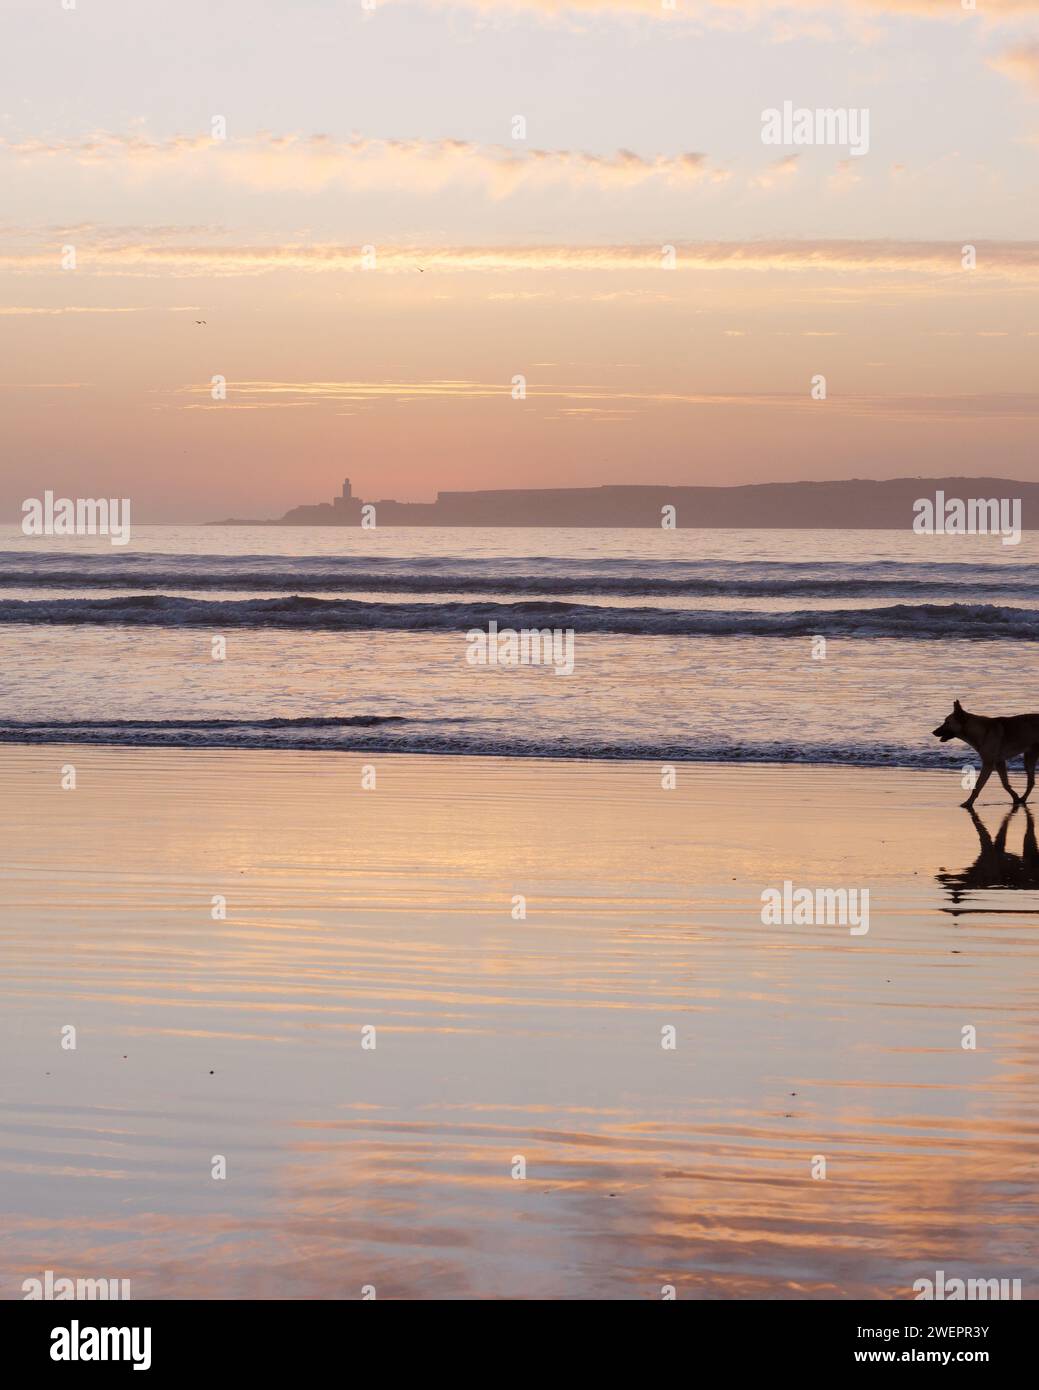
994	866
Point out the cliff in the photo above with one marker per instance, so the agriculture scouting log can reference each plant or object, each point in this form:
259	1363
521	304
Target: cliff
851	503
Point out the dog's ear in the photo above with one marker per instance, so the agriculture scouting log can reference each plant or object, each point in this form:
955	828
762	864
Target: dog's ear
957	706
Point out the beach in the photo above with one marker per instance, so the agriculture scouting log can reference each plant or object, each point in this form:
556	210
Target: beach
224	929
519	536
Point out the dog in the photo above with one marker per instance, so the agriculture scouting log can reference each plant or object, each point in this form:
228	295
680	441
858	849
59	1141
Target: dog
995	741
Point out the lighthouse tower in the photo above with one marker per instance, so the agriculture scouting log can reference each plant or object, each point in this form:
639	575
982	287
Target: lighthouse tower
346	506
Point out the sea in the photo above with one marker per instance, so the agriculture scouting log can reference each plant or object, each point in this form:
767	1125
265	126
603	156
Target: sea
710	645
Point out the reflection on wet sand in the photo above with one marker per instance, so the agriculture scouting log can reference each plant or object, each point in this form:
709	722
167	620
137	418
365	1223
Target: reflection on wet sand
499	1038
996	867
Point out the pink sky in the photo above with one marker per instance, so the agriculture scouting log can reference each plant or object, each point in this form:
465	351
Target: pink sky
541	256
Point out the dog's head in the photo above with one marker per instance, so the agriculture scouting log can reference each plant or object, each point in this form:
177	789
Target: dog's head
953	724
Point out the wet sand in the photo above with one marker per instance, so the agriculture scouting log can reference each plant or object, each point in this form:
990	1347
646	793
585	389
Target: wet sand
499	1038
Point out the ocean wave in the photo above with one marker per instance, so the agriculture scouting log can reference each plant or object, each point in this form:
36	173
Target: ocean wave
203	726
651	576
924	621
33	559
373	734
674	572
346	580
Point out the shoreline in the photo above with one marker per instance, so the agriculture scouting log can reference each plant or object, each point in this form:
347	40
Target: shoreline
620	757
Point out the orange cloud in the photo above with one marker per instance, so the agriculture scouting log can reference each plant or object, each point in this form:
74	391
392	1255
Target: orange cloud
29	310
127	256
253	395
777	173
1021	63
846	177
308	163
693	9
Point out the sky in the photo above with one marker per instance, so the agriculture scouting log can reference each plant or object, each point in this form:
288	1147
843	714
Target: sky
535	244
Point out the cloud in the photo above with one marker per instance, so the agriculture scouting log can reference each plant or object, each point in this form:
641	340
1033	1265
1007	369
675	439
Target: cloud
168	256
1021	63
19	310
847	175
309	163
584	397
777	173
949	10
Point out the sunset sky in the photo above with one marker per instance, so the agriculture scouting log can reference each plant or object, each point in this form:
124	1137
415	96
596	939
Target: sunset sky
393	128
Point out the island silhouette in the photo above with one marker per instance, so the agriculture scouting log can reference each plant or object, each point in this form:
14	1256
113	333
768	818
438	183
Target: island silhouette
854	503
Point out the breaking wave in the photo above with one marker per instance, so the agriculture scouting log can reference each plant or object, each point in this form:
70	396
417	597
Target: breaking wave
922	621
551	576
403	734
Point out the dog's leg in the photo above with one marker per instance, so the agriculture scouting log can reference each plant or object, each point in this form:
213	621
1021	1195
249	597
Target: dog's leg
1030	853
1030	760
986	773
985	839
1001	768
